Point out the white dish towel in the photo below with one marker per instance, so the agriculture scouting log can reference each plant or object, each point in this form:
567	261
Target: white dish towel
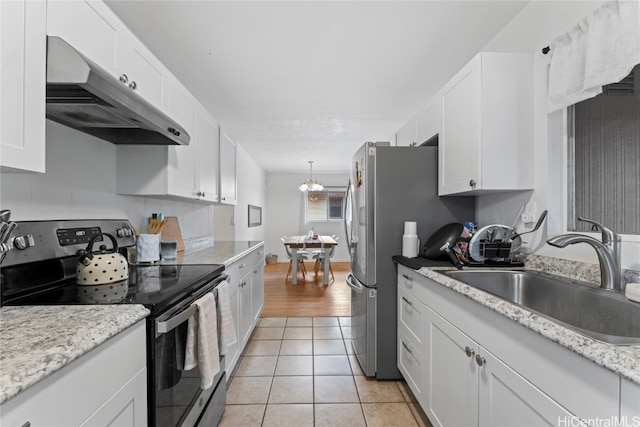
202	340
227	328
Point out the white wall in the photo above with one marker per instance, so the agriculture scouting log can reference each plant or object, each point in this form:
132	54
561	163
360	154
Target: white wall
252	185
534	28
283	211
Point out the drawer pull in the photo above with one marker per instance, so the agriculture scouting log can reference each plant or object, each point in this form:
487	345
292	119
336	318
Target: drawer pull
409	278
27	424
243	265
480	360
407	301
469	352
407	348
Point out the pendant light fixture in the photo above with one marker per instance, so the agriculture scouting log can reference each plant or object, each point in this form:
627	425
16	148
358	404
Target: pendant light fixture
311	184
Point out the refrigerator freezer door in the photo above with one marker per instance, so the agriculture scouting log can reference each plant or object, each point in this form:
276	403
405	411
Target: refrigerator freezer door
363	322
363	210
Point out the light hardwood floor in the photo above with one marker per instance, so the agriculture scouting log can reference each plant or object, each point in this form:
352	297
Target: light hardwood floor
309	298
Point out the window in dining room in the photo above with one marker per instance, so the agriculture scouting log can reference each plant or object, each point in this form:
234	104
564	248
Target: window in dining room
326	205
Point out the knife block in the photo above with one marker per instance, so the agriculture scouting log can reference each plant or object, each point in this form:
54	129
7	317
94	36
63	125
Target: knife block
171	231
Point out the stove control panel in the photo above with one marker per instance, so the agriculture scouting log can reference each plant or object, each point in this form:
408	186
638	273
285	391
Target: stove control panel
34	241
77	236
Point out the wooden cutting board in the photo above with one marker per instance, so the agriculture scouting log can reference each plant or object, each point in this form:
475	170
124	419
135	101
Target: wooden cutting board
171	231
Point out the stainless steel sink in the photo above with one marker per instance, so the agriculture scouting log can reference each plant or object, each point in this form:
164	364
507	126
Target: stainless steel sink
601	314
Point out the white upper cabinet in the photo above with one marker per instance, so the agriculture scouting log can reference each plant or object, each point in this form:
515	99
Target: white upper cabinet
23	55
486	143
423	126
228	188
137	68
96	32
88	26
208	152
182	159
174	171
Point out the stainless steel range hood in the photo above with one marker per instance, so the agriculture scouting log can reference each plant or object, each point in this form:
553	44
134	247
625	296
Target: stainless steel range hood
82	95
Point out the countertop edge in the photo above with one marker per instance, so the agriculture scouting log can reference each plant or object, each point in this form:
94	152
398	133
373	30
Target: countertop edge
48	357
243	253
623	360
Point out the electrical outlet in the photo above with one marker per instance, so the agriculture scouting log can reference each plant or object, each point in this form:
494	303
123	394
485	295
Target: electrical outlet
527	217
530	212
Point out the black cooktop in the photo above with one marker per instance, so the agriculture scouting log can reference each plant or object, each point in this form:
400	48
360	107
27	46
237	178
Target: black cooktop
156	286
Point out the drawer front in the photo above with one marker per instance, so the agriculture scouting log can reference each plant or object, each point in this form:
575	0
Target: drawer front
411	316
256	258
411	364
410	281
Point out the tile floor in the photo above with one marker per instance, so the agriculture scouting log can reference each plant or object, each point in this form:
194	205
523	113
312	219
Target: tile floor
300	371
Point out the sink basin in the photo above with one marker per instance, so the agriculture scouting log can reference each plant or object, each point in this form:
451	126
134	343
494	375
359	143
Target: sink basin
603	315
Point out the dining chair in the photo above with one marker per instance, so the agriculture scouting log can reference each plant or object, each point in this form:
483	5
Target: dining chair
302	255
322	255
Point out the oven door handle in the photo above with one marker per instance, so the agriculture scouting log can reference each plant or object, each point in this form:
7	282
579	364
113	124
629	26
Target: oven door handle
164	326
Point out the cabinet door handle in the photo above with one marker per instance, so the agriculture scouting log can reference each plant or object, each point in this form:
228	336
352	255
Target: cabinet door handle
407	347
133	85
472	183
243	265
407	301
27	424
469	351
409	278
124	79
480	360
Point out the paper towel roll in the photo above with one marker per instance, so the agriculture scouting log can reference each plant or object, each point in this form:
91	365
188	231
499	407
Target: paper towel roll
410	228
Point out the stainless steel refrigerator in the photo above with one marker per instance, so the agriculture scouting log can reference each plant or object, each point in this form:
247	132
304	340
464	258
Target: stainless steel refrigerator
388	186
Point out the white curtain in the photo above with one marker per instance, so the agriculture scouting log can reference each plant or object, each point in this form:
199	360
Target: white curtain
601	49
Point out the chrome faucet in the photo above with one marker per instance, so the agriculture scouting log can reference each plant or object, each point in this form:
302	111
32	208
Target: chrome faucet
608	251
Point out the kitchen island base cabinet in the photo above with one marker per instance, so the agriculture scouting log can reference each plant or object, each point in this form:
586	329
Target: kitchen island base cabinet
105	387
480	368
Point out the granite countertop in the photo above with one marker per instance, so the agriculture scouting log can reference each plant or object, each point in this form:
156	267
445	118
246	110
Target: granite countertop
222	252
621	359
36	341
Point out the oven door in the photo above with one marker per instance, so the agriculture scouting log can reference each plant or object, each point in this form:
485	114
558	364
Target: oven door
175	396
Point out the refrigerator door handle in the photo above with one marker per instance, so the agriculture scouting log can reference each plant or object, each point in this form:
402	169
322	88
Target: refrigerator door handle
346	200
352	282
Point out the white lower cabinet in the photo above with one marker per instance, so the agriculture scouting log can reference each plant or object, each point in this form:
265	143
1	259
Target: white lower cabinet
630	402
105	387
468	385
468	365
246	279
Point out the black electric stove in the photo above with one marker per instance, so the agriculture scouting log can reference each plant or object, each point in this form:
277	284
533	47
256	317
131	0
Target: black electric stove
44	272
39	268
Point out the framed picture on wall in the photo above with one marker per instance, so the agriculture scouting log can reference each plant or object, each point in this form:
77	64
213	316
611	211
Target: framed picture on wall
255	216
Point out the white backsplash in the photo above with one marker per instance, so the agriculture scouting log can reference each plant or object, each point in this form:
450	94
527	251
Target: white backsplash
79	183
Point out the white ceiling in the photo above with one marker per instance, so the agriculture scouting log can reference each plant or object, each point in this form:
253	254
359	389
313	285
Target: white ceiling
293	81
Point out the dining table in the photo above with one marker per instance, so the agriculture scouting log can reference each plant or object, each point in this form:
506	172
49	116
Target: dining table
305	242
